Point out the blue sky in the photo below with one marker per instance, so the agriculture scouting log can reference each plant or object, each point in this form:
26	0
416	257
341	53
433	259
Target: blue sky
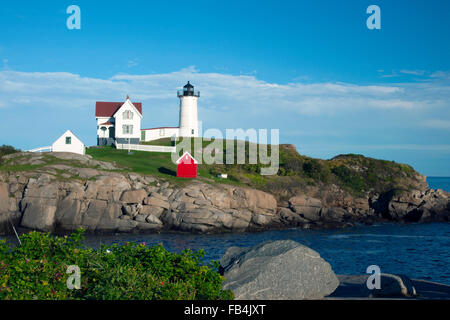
310	68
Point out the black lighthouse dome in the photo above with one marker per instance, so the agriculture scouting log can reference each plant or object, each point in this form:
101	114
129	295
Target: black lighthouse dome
188	90
189	86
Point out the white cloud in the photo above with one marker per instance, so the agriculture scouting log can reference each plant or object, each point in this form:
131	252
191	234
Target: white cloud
133	63
413	72
240	95
441	75
437	124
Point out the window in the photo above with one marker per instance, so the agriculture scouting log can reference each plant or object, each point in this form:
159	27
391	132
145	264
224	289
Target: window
68	140
127	115
192	132
127	129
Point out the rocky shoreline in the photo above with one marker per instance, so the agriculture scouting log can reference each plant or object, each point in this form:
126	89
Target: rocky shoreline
97	196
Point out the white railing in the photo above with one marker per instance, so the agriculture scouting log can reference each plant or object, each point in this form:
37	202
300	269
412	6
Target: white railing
42	149
147	148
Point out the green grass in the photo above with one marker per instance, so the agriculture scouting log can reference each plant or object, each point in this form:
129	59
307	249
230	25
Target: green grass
147	163
157	164
167	142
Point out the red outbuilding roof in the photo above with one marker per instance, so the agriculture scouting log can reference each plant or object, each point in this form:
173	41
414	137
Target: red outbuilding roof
186	158
107	109
186	166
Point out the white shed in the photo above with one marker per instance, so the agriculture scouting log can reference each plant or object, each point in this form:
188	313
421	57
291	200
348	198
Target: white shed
68	142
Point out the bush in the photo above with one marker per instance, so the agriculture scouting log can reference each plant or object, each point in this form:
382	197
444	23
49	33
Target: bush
349	178
316	170
293	166
37	270
5	150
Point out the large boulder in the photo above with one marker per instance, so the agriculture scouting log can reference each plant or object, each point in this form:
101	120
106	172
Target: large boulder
306	207
414	206
8	210
279	270
134	196
392	285
4	197
39	214
157	201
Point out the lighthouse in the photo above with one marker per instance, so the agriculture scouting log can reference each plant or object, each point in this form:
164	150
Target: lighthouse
188	111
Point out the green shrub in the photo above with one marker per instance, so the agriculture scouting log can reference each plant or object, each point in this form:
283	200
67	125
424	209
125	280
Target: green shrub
37	270
316	170
349	178
5	150
293	166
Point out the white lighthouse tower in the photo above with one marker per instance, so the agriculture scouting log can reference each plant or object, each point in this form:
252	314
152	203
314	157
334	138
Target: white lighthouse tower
188	111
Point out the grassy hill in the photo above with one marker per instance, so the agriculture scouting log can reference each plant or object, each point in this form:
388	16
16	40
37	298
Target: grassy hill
353	173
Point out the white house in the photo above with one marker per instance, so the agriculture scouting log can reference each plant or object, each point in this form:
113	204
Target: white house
68	142
120	122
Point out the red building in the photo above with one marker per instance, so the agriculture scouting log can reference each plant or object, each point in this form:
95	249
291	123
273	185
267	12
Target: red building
186	166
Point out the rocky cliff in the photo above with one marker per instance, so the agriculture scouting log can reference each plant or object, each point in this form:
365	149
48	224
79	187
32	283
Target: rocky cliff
62	192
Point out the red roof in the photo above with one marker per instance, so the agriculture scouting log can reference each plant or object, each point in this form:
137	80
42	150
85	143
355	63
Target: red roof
186	166
186	158
107	109
107	124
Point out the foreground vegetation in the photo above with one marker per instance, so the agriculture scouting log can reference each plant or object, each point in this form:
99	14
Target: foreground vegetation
37	269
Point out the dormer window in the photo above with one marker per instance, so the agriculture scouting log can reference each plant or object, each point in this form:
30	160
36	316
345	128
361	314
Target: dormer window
127	115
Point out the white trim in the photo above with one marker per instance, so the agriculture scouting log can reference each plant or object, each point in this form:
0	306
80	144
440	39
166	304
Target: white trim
140	147
129	102
42	149
179	160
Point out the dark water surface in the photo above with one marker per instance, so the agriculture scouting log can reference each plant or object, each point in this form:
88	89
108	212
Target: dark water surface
439	183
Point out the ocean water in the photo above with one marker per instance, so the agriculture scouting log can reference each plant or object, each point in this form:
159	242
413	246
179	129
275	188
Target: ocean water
439	183
420	251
